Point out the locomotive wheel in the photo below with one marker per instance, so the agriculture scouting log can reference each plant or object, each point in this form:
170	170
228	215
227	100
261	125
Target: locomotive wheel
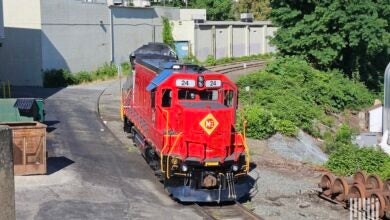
326	183
340	189
386	185
374	182
360	177
377	196
358	190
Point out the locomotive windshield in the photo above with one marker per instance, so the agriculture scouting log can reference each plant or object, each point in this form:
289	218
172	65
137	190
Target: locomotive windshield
205	95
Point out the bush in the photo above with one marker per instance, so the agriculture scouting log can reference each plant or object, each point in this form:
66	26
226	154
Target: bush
63	78
259	122
285	127
349	158
126	68
299	96
342	136
262	124
57	78
210	61
346	158
84	77
106	71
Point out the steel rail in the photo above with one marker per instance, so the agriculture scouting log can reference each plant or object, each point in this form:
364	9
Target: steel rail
228	68
215	212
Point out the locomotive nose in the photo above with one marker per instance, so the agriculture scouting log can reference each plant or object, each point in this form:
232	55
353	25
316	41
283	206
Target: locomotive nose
207	133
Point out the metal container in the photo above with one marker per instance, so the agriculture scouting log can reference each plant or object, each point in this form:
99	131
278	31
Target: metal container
29	147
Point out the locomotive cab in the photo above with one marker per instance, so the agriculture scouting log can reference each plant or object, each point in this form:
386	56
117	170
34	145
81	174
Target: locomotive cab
186	129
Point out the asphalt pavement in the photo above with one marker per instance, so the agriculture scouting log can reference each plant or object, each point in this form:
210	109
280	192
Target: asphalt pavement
94	172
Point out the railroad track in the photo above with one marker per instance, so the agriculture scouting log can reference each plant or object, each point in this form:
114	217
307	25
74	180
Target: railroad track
232	67
226	211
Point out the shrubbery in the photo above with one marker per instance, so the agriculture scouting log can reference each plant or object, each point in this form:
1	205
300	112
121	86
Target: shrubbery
349	158
297	95
346	158
63	78
261	123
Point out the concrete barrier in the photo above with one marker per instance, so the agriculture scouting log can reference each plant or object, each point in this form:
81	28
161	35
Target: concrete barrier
7	185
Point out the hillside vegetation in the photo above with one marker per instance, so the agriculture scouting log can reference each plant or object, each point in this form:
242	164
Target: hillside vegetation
290	94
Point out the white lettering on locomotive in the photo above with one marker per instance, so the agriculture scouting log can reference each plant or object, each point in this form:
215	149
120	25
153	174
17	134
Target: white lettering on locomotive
213	83
185	83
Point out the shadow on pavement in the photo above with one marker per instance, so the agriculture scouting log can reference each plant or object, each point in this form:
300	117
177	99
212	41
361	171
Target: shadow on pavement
55	164
50	126
33	92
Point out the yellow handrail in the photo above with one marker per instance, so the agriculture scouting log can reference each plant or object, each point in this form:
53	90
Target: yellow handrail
169	154
247	154
166	140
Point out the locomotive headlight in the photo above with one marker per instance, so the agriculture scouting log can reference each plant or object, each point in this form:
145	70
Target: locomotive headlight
235	167
184	167
200	81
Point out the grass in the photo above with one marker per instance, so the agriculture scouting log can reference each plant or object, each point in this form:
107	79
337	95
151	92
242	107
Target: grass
211	61
62	77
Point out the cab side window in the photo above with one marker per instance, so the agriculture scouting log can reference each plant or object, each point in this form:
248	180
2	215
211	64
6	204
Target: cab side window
166	98
228	98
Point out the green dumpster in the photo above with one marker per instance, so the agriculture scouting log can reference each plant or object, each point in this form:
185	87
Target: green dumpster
22	109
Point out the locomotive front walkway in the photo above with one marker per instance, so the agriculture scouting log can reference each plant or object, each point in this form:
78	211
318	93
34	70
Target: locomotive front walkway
91	174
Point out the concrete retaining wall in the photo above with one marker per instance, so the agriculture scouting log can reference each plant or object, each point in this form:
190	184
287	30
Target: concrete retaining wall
7	185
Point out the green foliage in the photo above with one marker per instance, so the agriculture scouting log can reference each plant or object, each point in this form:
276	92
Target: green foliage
284	126
172	3
297	95
210	60
63	78
83	77
126	68
243	58
217	10
262	124
106	71
259	8
57	78
352	36
350	158
191	59
342	137
258	122
167	33
346	158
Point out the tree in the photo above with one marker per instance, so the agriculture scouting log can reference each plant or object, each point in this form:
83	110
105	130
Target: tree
171	3
353	36
217	10
167	33
259	8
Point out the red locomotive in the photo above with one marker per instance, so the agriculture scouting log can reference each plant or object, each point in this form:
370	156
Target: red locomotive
182	117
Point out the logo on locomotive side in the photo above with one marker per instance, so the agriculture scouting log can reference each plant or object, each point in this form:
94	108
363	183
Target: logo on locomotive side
209	123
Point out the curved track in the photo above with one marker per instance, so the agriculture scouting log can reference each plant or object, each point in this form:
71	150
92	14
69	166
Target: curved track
226	211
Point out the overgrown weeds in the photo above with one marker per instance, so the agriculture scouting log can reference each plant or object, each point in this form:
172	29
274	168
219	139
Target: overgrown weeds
63	77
